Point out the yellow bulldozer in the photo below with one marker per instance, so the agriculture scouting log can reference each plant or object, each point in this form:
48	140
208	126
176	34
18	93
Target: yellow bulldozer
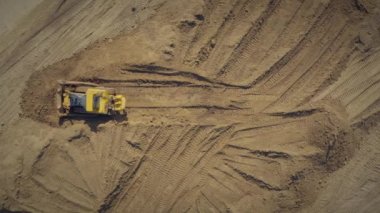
75	97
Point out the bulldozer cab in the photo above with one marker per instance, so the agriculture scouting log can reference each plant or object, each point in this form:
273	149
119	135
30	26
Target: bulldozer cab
98	101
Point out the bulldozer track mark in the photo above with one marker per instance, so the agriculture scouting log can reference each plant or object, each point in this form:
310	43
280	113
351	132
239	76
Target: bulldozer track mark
60	5
364	91
125	163
283	61
210	202
41	155
134	145
238	147
166	141
41	185
237	162
196	206
103	11
217	133
83	192
202	142
185	138
353	74
222	45
202	132
282	32
271	154
154	139
248	37
221	183
186	131
34	35
204	51
114	195
203	28
60	195
159	70
131	196
251	55
145	83
190	141
254	180
6	66
270	161
261	153
303	74
329	76
227	174
172	205
297	114
29	207
372	119
208	107
341	92
2	67
214	142
76	168
332	78
70	19
262	127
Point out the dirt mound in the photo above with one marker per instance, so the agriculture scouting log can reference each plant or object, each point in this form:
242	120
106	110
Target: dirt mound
232	106
40	91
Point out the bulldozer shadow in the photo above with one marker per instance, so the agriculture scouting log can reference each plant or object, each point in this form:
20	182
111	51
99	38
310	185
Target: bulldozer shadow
93	121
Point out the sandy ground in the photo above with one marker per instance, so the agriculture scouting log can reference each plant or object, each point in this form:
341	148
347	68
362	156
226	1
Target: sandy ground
13	11
232	106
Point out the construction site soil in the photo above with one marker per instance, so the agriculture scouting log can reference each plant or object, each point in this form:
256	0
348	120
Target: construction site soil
232	106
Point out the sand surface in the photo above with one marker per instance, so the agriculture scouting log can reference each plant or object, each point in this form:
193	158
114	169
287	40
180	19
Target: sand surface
232	106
